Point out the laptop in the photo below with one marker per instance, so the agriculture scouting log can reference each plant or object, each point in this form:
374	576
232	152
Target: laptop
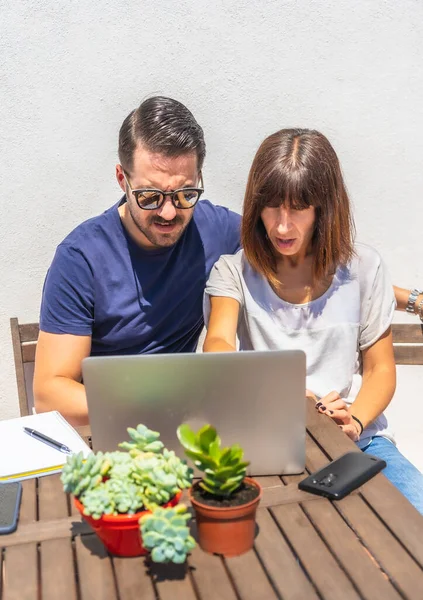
255	399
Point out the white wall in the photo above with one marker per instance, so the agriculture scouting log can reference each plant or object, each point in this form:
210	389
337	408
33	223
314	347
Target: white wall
71	72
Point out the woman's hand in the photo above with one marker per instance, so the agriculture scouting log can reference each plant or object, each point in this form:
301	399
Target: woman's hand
351	430
337	409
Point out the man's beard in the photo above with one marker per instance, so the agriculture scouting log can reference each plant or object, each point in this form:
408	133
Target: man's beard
157	238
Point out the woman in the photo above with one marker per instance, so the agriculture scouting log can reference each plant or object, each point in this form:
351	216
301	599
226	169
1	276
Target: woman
301	282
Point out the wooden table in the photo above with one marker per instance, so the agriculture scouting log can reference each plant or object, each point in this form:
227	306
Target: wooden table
369	545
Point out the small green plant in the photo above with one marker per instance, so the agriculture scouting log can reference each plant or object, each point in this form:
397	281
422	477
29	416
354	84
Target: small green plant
142	476
142	440
166	535
80	475
224	468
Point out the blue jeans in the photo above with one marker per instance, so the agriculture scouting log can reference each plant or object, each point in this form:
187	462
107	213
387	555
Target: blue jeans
398	470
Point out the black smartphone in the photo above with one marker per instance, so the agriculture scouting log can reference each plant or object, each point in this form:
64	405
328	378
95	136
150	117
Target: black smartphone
343	475
10	499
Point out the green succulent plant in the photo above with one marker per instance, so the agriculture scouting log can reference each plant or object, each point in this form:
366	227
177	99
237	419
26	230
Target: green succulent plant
98	502
160	476
112	496
143	476
80	475
224	468
118	465
166	535
143	440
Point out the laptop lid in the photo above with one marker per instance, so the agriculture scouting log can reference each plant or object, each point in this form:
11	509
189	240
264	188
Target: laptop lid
255	399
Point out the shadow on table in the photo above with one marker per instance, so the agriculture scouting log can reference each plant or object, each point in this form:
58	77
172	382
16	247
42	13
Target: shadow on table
166	572
159	572
91	542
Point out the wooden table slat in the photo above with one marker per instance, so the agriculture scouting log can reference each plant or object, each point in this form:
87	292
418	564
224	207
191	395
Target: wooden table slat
46	530
388	552
388	502
57	570
133	579
96	579
366	574
280	563
56	555
52	502
275	492
369	545
250	580
173	582
319	563
293	479
400	517
315	458
377	538
28	508
210	576
20	580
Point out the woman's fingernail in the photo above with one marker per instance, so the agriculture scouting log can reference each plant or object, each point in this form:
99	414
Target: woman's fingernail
331	412
322	407
318	404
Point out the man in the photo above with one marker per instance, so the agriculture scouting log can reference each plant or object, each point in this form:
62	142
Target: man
132	279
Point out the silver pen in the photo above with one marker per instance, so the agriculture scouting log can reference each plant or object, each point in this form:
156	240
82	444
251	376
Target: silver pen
47	440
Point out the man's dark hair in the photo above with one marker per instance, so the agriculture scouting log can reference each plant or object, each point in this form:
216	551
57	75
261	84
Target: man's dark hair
161	125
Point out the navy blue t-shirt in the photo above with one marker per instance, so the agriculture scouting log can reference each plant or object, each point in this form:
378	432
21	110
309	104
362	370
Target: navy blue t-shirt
131	300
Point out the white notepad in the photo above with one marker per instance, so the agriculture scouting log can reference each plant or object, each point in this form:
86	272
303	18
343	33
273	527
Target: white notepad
23	456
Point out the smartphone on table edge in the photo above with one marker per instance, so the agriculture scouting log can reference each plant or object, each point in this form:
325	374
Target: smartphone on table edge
10	499
343	475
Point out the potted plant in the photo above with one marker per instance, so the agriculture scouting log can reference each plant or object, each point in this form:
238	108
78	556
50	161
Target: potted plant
225	500
130	497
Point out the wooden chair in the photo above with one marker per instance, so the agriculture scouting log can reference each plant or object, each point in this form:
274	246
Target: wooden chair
24	340
408	343
408	348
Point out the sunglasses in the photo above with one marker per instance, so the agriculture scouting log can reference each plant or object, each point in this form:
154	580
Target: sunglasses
152	199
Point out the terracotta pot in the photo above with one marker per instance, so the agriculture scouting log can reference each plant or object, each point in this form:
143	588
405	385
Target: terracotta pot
121	534
228	530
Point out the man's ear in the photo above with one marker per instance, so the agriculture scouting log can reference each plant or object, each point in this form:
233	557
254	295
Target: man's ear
120	178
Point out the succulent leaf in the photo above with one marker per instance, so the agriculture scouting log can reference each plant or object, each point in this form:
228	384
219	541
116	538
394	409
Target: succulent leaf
188	438
169	542
206	436
126	482
223	467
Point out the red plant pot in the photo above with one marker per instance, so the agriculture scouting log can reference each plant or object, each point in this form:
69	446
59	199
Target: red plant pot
121	534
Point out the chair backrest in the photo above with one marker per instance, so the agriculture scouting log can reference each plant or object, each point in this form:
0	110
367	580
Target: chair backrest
408	349
24	340
408	343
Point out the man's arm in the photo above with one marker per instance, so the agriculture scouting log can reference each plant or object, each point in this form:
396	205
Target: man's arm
57	376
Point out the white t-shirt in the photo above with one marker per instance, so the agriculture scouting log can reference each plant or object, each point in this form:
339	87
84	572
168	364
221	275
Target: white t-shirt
349	317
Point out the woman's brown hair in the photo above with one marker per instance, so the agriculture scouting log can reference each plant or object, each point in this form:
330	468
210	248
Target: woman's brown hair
298	167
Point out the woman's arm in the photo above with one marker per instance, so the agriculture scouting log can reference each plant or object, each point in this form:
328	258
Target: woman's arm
223	321
402	295
379	380
377	389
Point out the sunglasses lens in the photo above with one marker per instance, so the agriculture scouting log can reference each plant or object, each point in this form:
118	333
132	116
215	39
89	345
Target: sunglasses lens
186	198
149	200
